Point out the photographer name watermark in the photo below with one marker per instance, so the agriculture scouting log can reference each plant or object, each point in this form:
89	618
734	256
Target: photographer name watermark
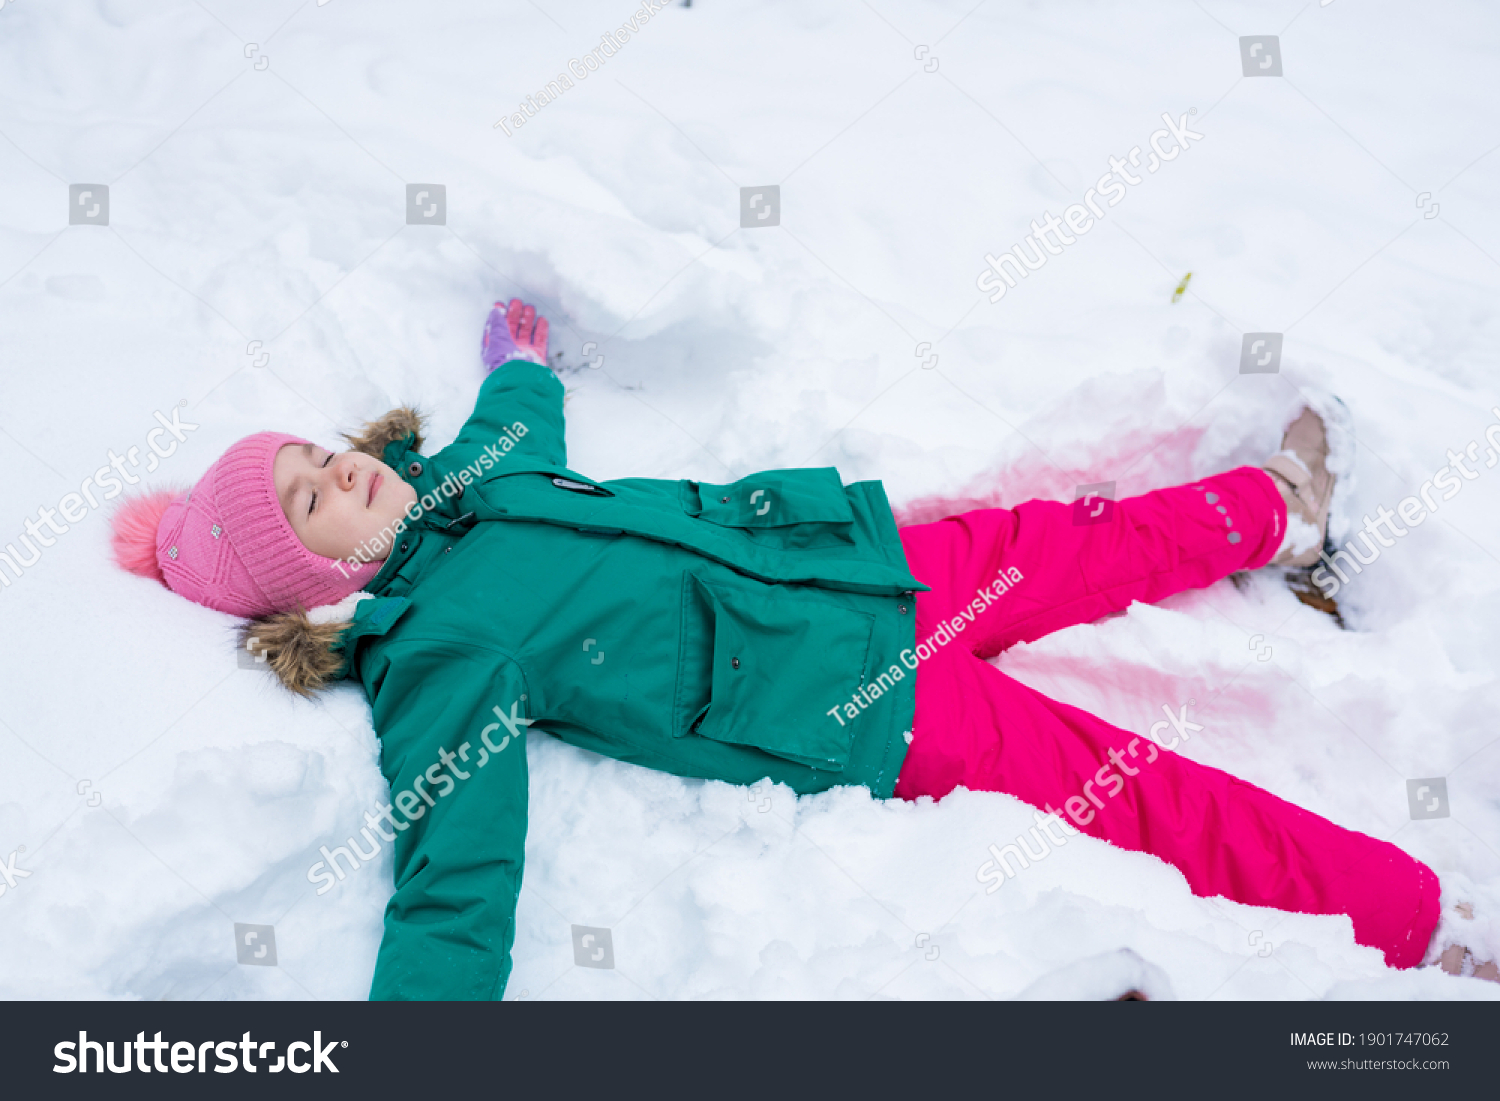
454	483
865	695
610	43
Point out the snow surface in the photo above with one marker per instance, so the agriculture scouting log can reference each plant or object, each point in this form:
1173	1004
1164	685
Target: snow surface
267	204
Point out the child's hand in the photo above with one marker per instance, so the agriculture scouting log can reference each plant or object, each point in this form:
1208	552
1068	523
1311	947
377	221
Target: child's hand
514	333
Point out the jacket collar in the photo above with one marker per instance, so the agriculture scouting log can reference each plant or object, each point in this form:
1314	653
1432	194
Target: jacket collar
416	551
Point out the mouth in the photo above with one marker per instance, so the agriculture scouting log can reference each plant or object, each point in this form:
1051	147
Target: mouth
375	482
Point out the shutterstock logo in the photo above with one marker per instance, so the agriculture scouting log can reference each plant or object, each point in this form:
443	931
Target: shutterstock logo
1094	504
255	945
11	874
88	205
442	777
189	1058
426	204
1009	860
105	484
1427	798
1260	55
760	206
1052	235
1260	353
593	947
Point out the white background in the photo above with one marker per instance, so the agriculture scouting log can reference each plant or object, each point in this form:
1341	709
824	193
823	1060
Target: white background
268	204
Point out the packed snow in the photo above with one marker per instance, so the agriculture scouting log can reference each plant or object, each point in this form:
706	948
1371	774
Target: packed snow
258	271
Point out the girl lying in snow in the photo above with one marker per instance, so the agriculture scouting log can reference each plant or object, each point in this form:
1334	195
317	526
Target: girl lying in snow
779	626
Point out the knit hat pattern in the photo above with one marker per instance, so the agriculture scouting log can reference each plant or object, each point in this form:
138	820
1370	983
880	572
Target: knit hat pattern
228	545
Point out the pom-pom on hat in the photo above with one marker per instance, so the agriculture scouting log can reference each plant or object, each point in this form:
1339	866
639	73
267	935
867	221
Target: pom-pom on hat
135	525
227	544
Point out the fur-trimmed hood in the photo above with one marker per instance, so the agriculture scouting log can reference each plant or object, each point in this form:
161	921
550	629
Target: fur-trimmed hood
304	650
380	433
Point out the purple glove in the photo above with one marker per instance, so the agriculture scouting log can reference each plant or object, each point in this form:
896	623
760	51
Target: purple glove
515	332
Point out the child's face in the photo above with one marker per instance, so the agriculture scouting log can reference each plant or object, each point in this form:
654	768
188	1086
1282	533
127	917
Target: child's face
340	506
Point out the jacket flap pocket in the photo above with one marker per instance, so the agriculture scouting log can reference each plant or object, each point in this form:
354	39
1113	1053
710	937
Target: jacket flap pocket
777	498
375	616
776	658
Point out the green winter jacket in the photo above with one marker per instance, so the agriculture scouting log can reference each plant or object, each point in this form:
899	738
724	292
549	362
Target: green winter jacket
704	630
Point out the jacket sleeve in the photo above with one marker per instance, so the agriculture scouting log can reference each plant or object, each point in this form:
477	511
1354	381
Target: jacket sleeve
452	728
519	411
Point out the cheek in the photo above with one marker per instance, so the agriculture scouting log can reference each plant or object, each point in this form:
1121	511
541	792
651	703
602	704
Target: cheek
397	505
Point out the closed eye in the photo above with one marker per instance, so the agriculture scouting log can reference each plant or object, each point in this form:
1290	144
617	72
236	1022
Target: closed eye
313	501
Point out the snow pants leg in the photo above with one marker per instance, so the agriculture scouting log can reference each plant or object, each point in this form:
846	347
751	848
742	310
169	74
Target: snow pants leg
1067	564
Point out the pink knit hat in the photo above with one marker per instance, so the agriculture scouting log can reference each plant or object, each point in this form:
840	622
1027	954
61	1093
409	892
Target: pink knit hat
227	544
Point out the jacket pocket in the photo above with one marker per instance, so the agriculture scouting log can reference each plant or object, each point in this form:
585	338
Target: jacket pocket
758	665
790	509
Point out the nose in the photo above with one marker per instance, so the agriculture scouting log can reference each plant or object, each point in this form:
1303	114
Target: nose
345	471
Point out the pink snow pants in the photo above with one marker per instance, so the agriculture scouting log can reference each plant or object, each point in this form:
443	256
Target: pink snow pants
978	728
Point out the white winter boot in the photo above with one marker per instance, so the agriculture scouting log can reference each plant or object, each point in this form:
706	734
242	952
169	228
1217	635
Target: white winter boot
1300	470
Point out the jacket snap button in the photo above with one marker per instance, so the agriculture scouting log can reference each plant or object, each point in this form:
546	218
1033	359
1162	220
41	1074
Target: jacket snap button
447	548
734	662
414	469
902	608
403	547
723	500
